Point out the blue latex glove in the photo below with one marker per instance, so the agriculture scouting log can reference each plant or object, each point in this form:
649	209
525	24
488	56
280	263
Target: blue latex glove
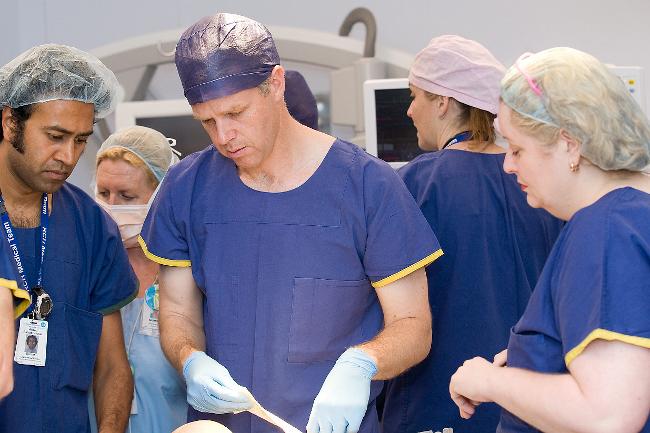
343	400
210	388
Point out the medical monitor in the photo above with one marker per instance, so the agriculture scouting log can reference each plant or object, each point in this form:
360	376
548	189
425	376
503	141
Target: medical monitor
172	117
390	134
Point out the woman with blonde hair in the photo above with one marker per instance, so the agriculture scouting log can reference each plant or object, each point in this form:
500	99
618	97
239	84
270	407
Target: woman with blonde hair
131	164
579	358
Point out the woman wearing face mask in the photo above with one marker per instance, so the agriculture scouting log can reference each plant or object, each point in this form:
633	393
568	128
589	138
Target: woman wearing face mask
130	166
495	245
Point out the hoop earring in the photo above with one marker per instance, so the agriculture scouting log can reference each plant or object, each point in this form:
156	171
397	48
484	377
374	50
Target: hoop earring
574	167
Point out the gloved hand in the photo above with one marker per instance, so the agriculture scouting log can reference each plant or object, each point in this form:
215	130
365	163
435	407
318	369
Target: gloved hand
210	388
341	403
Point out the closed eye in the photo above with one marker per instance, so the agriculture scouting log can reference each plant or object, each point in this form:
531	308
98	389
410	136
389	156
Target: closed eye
55	137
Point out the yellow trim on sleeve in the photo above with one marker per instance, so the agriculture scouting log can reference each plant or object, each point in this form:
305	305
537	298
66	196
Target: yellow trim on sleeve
20	294
162	260
404	272
604	334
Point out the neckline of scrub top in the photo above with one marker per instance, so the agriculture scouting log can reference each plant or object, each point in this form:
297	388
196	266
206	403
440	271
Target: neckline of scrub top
605	196
321	167
471	151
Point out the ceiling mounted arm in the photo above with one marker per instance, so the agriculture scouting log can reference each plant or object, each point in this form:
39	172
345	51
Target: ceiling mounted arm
362	15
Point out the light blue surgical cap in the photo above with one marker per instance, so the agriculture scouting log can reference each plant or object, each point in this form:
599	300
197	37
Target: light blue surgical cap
152	147
518	93
52	72
224	54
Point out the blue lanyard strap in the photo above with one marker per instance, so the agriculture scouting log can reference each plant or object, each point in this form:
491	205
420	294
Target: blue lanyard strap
13	244
461	136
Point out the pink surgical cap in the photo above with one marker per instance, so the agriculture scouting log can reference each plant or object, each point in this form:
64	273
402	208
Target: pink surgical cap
459	68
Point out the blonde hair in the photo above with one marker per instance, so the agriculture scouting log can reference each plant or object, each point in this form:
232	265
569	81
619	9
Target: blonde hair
582	96
122	154
479	123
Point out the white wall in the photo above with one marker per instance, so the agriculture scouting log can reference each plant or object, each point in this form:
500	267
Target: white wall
615	32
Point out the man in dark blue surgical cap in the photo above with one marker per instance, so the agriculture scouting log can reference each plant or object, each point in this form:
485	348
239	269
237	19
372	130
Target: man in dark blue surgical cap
293	262
300	100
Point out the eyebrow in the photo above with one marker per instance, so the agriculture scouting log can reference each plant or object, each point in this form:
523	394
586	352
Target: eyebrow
65	131
235	108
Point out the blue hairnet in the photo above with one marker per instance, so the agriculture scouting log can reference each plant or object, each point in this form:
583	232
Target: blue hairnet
300	101
153	148
224	54
52	72
522	92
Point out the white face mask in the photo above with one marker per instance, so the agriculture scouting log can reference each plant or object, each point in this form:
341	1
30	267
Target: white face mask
129	218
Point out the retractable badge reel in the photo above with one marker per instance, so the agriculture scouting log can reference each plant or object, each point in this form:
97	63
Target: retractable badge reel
42	304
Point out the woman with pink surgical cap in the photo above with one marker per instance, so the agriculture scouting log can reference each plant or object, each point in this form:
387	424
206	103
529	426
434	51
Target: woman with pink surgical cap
578	360
495	244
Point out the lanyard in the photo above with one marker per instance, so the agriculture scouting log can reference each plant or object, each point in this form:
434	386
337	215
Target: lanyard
461	136
13	245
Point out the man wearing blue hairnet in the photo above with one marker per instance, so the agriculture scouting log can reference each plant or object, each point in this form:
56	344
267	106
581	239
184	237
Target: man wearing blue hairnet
64	251
293	262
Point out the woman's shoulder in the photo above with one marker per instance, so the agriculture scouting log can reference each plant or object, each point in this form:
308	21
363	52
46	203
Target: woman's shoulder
615	209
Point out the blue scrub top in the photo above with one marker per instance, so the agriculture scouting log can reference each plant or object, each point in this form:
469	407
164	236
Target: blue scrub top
87	274
495	246
161	399
9	277
288	277
595	285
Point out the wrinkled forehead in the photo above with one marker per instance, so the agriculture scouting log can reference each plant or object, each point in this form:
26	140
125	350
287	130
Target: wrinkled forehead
72	116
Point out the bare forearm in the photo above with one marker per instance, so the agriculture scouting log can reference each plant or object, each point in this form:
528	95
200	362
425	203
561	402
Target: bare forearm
113	382
113	391
550	402
179	337
399	346
6	342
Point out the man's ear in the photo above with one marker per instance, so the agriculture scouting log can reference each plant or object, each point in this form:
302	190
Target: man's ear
8	123
277	82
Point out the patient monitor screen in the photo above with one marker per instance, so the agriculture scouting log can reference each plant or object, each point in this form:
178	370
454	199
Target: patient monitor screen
396	136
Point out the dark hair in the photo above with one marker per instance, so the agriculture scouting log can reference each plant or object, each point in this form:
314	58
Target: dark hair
19	116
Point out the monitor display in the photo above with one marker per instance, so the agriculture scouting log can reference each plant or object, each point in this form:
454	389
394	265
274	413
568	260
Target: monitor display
390	134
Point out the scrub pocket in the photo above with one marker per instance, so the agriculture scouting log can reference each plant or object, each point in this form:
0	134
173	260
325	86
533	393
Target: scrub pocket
72	346
327	317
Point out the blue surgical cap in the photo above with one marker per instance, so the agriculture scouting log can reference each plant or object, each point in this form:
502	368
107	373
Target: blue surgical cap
224	54
52	72
300	101
151	146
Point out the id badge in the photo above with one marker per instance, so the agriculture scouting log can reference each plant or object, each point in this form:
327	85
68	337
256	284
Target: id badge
31	344
149	316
